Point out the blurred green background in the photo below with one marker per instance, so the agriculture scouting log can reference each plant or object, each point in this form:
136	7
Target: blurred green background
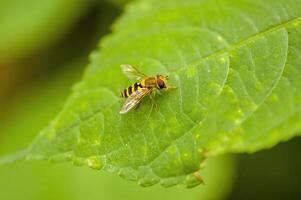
42	54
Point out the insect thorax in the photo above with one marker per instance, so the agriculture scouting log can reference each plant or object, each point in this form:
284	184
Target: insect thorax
149	82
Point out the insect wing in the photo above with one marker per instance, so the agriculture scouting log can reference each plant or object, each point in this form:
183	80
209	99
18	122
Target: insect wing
133	100
131	72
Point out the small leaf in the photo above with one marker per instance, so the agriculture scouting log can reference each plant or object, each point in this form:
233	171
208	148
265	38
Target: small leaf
237	68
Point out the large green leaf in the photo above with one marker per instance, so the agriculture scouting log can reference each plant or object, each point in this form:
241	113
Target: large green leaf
71	183
237	68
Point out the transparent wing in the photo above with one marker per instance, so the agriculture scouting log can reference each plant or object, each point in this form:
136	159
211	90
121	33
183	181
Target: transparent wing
131	72
133	100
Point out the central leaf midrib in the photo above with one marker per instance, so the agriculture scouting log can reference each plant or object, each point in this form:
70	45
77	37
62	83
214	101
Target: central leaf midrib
239	44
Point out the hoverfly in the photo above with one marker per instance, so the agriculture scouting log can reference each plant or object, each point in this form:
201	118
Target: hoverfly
144	86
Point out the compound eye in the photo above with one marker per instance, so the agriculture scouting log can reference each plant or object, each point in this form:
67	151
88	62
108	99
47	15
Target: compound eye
161	83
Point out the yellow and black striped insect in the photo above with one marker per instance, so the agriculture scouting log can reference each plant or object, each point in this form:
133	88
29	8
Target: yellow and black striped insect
144	86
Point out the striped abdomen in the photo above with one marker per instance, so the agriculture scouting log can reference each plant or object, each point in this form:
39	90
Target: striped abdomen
128	91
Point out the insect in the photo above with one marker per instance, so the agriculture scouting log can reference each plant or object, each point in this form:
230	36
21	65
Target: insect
144	86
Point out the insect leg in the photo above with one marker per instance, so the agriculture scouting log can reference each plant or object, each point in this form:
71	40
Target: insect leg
151	96
171	87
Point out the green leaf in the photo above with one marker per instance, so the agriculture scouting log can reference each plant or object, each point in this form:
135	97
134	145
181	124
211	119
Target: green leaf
31	181
237	68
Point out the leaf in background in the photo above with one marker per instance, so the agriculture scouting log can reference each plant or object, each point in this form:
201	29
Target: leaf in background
28	26
34	105
237	68
119	3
